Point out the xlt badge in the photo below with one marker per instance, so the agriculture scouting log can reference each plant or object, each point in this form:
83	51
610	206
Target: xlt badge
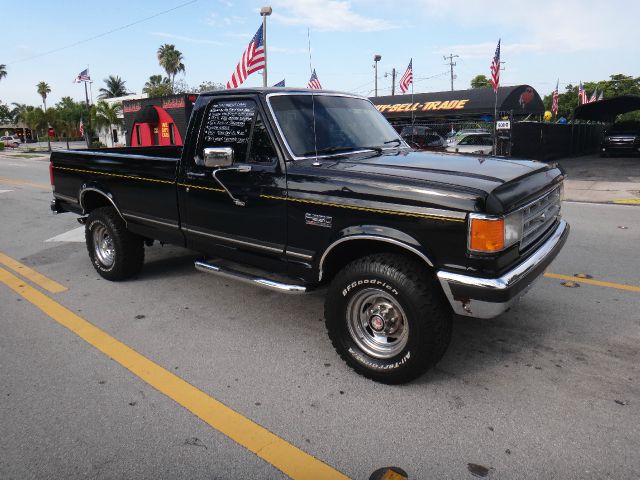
318	220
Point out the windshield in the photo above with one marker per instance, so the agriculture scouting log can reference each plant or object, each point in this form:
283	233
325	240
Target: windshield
342	124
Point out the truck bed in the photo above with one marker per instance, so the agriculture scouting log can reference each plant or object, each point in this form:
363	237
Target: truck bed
139	181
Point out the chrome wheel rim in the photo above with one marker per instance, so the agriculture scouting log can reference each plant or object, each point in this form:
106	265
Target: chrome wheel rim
103	246
377	323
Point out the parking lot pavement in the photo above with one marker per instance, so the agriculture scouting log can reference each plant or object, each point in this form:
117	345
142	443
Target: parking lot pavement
596	179
548	390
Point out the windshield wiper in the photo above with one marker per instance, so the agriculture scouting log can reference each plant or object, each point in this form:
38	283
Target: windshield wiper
397	141
330	150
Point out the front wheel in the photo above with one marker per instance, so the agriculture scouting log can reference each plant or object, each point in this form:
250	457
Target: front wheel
116	253
387	318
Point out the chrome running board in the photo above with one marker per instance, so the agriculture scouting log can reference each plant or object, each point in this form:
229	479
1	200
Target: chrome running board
227	272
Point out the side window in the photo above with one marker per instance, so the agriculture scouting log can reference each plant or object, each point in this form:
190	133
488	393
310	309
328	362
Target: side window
261	150
228	123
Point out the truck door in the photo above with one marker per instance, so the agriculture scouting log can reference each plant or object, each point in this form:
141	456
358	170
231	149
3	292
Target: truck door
253	228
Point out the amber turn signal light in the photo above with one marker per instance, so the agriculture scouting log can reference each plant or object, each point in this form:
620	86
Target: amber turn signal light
486	234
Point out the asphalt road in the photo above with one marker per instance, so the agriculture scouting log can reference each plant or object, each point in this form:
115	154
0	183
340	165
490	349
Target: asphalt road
551	389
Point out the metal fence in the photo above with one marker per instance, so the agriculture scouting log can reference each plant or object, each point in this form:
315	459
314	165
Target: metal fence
525	139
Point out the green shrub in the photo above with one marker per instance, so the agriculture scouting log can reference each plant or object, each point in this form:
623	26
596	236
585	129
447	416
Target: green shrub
1	145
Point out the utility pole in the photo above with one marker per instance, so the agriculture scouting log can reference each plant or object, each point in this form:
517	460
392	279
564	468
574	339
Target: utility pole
376	59
264	13
393	80
451	65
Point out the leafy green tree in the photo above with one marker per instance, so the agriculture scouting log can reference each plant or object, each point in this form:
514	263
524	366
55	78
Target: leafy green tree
114	87
157	86
617	84
6	115
3	71
70	113
105	116
19	114
35	120
480	81
208	86
44	89
170	60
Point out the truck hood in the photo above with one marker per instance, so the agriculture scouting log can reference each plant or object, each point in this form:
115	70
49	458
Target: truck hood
491	184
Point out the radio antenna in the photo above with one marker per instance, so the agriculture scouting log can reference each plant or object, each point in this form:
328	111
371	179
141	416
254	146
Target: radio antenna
316	163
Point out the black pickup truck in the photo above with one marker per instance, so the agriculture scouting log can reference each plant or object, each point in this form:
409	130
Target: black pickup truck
296	190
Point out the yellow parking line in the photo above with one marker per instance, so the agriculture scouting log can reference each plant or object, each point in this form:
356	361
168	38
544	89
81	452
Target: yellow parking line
589	281
628	201
30	274
284	456
24	183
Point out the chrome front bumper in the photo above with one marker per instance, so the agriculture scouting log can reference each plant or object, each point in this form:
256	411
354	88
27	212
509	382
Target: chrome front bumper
489	297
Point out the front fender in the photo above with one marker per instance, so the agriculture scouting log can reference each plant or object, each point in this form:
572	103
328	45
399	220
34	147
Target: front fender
374	233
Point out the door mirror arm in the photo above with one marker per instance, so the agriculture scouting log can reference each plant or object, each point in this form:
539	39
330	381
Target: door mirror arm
239	169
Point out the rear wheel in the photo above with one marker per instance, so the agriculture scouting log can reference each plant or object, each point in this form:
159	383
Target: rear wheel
387	318
116	253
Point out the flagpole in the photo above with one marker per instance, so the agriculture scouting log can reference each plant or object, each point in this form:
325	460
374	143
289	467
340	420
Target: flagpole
413	113
495	123
264	13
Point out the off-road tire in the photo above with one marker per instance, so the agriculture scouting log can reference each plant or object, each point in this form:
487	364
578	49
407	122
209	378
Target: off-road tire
127	248
415	290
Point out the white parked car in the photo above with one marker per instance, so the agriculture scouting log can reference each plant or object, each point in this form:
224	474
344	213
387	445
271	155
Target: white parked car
478	143
10	140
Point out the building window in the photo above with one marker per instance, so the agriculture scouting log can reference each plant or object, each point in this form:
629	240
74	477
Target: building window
172	139
138	137
114	136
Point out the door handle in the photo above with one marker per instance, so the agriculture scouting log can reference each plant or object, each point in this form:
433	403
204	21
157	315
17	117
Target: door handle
196	174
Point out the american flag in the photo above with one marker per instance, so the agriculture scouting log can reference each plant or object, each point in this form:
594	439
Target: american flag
280	83
314	82
554	101
81	127
495	69
252	60
83	76
407	78
601	96
582	95
594	96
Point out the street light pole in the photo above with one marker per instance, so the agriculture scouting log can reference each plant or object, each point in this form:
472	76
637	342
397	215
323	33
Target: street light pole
264	13
376	59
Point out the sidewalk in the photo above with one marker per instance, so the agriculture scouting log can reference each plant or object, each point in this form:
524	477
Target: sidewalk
602	180
627	193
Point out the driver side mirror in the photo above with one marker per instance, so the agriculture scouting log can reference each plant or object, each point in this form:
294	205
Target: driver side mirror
218	157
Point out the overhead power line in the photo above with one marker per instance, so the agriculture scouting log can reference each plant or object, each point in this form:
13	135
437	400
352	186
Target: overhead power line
103	34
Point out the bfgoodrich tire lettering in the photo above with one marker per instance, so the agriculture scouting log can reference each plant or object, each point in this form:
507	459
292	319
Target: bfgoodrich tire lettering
387	318
115	253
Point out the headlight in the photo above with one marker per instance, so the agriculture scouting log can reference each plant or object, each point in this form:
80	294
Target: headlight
493	234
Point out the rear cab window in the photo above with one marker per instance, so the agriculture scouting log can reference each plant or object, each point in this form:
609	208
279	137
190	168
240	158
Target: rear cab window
238	124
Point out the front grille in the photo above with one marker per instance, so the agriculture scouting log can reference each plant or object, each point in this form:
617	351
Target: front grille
538	216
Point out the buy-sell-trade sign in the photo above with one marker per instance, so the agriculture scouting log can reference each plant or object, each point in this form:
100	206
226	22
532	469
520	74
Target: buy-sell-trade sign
423	106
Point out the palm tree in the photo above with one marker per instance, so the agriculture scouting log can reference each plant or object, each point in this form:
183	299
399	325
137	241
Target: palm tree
157	86
35	119
106	115
19	113
170	60
115	87
3	71
70	113
43	89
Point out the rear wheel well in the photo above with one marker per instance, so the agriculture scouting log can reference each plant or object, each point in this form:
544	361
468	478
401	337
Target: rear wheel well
346	252
92	199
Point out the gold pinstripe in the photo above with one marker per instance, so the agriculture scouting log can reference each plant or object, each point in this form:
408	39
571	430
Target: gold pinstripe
274	197
200	187
115	175
365	209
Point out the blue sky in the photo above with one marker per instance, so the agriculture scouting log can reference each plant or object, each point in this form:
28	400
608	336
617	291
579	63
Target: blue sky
542	40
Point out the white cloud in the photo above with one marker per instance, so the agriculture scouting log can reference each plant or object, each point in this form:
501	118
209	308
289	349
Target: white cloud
326	15
547	25
182	38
